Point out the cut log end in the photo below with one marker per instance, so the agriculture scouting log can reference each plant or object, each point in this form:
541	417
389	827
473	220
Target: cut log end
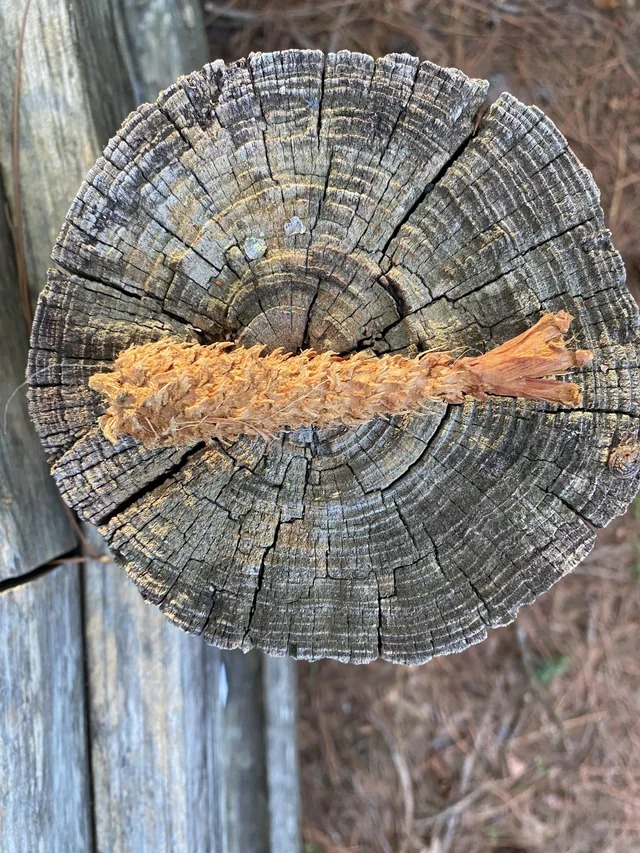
322	204
171	393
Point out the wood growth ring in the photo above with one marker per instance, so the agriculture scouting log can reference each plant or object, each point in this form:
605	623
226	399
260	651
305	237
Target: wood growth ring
341	203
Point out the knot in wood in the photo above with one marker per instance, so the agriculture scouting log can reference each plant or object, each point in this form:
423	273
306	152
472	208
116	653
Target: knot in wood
341	203
624	459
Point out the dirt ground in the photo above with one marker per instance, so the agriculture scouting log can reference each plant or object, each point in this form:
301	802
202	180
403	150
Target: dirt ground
529	741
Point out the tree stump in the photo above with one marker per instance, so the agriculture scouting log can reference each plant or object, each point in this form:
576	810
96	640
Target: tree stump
340	202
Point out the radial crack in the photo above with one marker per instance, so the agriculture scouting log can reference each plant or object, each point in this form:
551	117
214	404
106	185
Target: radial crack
151	486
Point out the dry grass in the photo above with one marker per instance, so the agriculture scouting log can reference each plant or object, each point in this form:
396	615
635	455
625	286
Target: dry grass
529	741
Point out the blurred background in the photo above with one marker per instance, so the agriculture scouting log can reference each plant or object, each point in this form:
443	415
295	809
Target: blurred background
529	741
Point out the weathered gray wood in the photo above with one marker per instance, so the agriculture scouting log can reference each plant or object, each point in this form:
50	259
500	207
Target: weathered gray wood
154	698
256	742
404	538
66	112
45	800
44	761
199	768
160	40
279	679
65	117
157	715
242	753
85	66
34	527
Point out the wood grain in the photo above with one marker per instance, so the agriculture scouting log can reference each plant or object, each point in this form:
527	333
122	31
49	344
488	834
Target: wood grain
34	527
44	770
279	680
184	724
161	40
68	50
404	538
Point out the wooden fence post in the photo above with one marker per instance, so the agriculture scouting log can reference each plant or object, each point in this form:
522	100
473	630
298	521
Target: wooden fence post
346	204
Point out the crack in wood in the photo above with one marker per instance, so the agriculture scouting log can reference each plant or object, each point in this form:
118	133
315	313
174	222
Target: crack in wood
150	486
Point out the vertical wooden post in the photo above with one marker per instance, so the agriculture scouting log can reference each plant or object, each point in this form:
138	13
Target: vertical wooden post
33	525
